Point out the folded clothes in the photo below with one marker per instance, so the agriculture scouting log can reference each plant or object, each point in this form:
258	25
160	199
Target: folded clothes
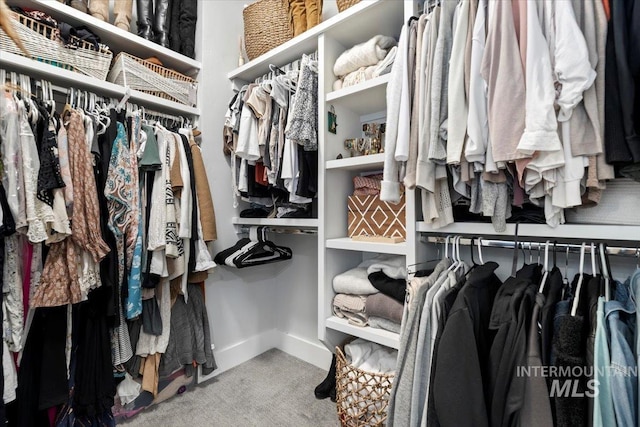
366	185
363	74
395	288
381	305
363	55
355	282
350	307
382	323
393	266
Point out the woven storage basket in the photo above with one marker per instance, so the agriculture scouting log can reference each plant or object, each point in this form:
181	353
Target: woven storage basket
362	397
147	77
43	44
619	205
267	24
346	4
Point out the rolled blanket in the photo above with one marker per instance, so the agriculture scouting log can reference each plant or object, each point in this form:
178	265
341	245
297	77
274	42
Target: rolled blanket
393	266
355	282
351	307
363	55
395	288
386	324
381	305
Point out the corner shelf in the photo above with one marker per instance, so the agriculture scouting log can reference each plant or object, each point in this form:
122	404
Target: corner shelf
346	243
380	336
359	163
117	39
563	231
362	98
36	69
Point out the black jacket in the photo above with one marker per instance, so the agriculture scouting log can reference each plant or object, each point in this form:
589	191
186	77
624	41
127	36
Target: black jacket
182	26
460	379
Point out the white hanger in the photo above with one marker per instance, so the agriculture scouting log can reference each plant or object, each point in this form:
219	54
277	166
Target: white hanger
545	268
605	271
576	297
479	240
460	262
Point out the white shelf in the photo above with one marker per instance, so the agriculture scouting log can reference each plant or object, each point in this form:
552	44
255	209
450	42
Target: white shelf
360	163
118	40
309	223
68	78
380	336
346	243
543	231
349	27
363	98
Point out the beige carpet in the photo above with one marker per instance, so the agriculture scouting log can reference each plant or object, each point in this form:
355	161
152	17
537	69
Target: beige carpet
273	389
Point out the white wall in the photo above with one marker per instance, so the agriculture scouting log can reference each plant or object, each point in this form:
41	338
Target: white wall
253	309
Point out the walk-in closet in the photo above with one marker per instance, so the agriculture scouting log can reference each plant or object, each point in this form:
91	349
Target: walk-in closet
320	213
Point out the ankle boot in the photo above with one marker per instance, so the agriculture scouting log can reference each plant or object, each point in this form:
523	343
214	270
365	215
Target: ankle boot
145	18
161	23
298	16
122	12
324	389
99	9
313	12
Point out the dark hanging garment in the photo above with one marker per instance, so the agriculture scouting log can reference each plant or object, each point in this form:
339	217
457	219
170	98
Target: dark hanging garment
461	377
184	15
553	294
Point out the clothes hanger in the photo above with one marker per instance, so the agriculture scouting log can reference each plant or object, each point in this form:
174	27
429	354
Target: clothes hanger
604	265
545	268
576	296
461	263
480	250
514	264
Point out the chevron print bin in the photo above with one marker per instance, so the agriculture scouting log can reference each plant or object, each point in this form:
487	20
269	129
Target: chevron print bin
369	216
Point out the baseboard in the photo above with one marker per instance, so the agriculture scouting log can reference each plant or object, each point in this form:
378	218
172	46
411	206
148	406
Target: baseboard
311	352
240	352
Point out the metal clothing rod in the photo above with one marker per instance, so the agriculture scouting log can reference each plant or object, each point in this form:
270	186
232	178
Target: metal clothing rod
280	230
506	244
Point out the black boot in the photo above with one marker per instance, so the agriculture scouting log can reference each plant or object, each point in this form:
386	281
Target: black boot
161	23
145	18
325	388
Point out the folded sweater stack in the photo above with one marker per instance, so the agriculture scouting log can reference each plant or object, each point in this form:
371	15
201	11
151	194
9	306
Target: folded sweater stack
372	294
365	61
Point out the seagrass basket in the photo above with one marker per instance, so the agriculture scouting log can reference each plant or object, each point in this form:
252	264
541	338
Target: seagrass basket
43	43
346	4
361	397
267	24
147	77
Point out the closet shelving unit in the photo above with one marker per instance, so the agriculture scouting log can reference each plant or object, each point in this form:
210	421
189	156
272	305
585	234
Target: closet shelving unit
118	41
354	106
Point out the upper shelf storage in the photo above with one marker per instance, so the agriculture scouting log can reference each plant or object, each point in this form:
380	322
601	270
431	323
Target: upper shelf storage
359	163
118	40
363	98
13	62
354	25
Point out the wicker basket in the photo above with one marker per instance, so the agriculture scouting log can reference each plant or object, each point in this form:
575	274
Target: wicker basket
267	25
147	77
362	397
346	4
43	44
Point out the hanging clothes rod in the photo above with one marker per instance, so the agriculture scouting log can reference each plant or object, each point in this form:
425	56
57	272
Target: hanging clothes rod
244	229
507	244
293	65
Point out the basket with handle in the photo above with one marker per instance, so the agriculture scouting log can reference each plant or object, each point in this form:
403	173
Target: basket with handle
346	4
362	397
43	43
267	24
154	79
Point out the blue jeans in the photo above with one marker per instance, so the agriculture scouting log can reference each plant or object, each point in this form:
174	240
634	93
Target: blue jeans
620	315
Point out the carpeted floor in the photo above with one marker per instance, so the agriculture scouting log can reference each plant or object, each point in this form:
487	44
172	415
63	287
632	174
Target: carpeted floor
271	390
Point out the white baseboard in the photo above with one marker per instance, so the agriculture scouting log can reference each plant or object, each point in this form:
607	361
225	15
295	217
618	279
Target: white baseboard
236	354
